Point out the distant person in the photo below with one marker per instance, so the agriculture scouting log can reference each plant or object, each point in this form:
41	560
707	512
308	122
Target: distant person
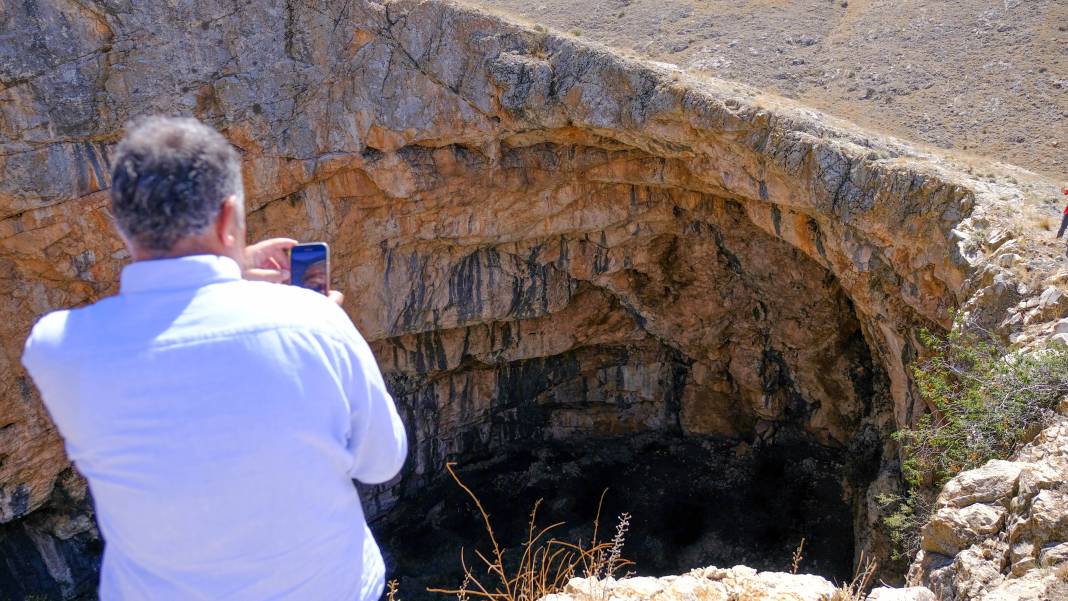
1064	223
315	277
219	421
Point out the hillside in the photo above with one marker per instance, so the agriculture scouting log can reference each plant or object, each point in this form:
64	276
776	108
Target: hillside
971	76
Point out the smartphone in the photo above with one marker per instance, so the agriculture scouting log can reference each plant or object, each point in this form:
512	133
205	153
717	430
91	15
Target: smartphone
309	266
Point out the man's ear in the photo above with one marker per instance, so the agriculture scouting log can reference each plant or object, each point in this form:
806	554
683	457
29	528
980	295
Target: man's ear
226	229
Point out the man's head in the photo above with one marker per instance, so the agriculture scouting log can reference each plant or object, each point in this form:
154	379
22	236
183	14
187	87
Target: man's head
176	190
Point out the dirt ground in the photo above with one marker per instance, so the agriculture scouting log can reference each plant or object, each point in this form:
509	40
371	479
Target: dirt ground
976	77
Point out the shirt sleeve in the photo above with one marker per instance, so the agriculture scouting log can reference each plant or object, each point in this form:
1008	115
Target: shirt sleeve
51	373
377	439
34	349
38	354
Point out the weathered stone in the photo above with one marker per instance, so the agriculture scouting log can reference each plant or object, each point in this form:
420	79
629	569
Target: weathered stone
544	242
993	483
973	573
1036	585
1059	341
951	530
911	593
1053	554
709	584
997	238
996	551
1051	299
1061	327
1008	259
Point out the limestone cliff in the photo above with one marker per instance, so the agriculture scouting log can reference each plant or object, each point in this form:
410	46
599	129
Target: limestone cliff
549	246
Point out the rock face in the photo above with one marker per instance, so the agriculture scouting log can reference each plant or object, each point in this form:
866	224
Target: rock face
1000	532
547	244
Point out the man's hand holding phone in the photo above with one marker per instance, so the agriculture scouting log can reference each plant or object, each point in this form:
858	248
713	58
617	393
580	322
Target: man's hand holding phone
276	259
268	260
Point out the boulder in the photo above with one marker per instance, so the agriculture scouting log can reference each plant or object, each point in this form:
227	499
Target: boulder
708	584
994	484
953	529
910	593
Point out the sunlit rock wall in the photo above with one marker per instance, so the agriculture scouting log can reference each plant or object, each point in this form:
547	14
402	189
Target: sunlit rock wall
542	240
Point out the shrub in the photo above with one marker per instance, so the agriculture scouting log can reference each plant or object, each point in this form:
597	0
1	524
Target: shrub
985	404
907	514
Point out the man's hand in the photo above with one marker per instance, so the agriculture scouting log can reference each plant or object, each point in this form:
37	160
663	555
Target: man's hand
268	260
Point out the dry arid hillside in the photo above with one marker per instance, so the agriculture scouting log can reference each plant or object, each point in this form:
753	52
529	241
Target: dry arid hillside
976	77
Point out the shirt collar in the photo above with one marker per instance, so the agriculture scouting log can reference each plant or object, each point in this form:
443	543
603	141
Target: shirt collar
192	271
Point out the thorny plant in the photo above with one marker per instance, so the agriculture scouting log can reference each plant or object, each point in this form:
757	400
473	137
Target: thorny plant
545	565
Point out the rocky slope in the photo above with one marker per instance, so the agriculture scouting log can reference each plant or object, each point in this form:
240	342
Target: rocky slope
554	250
1000	532
977	77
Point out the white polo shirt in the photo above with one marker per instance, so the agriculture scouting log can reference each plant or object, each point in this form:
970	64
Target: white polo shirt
220	423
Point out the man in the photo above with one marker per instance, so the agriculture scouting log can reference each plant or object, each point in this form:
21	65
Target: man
1064	222
219	421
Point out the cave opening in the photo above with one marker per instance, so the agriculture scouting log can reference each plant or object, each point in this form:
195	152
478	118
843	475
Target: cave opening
631	336
692	502
607	333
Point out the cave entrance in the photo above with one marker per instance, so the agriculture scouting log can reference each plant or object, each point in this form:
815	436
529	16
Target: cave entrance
692	503
643	338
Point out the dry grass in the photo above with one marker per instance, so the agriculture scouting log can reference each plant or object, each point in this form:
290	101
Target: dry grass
857	590
798	556
545	565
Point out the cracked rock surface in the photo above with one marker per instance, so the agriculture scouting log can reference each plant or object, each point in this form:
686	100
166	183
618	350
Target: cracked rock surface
1001	531
548	245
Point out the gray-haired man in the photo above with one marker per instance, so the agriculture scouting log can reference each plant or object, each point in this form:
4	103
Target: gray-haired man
218	420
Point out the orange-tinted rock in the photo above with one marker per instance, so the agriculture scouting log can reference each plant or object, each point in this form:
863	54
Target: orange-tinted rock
495	197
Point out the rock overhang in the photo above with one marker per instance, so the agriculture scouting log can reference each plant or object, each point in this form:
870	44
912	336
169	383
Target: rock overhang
379	124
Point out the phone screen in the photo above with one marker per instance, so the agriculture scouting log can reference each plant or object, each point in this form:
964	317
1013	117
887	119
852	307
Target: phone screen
310	266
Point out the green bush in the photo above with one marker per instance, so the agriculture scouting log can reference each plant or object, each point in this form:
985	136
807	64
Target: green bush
985	404
906	515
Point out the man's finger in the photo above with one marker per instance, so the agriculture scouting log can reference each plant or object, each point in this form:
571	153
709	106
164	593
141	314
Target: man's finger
277	276
272	249
336	296
274	243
